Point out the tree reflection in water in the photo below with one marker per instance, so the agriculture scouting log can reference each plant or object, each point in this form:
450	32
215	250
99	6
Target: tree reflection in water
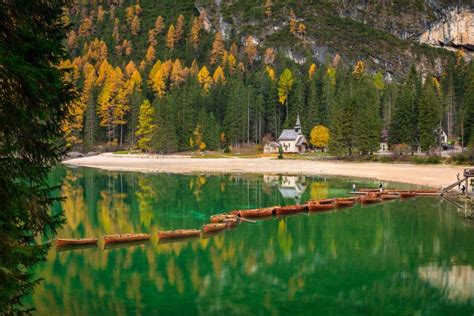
399	256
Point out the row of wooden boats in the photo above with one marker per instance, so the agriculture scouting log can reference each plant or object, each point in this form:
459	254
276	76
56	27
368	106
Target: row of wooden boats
220	222
162	235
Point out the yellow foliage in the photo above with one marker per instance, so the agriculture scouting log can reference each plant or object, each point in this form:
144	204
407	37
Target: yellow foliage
269	56
217	48
177	74
218	76
270	72
320	136
292	22
359	69
170	37
231	63
195	29
204	78
250	49
311	70
159	25
178	32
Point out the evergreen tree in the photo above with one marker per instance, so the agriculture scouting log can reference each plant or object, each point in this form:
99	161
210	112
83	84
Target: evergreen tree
429	115
164	139
468	107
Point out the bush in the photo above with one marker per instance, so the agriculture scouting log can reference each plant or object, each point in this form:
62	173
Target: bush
465	158
426	160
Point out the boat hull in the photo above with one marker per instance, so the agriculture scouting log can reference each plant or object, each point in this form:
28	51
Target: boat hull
345	203
218	218
315	207
260	212
179	233
291	209
111	239
215	227
370	200
61	242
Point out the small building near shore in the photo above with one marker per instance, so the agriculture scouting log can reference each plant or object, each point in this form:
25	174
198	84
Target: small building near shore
292	140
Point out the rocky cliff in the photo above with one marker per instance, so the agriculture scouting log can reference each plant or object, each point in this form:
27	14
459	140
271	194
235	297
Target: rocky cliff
389	35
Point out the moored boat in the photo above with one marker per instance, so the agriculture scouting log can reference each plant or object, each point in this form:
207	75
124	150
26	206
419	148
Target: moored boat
324	201
221	217
259	212
214	227
179	233
386	197
344	202
61	242
120	238
316	206
369	199
290	209
407	194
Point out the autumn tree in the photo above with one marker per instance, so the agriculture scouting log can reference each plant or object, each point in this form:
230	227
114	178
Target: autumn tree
250	49
150	54
217	48
170	37
135	26
159	25
311	70
269	56
320	136
218	76
285	85
146	126
195	29
152	37
292	22
178	32
177	74
204	78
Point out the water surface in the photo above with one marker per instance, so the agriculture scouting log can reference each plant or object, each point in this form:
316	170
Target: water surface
399	257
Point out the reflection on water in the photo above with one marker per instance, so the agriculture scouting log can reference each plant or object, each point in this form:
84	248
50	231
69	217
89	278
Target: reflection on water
457	282
360	260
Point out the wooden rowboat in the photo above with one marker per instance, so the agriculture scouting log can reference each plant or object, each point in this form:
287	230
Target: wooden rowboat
61	242
120	238
386	197
315	206
407	194
344	202
179	233
221	217
324	201
230	222
290	209
259	212
214	227
369	200
369	190
427	191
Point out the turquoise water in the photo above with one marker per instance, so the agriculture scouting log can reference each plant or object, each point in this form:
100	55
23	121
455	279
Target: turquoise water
400	257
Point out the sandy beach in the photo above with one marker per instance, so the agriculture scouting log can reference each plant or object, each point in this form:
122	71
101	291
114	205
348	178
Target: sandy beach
429	175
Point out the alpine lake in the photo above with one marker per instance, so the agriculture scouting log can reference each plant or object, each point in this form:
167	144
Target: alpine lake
400	257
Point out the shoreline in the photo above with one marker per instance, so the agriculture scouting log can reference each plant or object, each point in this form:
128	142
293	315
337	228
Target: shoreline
435	176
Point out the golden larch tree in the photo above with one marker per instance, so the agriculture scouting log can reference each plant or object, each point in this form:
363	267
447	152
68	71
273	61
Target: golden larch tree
130	68
116	31
359	69
231	63
250	49
152	37
292	22
177	74
170	39
218	76
269	56
135	26
195	29
150	54
178	31
159	25
270	72
204	78
311	70
217	48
